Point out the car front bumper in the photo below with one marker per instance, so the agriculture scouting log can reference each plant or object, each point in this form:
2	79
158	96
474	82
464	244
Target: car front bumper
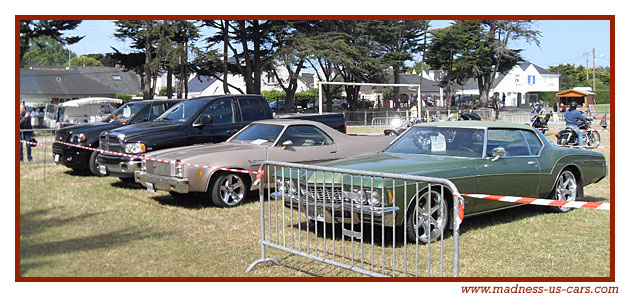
340	212
117	166
160	182
74	158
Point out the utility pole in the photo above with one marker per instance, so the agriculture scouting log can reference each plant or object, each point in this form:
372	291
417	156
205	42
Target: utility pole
586	55
594	71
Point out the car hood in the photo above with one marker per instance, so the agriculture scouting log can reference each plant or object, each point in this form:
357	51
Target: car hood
145	128
220	154
412	164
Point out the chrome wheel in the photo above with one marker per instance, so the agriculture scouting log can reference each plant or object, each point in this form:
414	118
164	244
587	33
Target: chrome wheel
229	190
427	224
566	189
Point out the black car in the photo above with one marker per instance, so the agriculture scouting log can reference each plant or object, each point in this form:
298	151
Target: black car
194	121
88	134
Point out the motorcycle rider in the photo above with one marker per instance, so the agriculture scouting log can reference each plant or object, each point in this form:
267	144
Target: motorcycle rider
571	118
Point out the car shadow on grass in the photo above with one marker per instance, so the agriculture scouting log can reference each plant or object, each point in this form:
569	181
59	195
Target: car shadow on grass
127	185
197	200
72	172
595	199
389	236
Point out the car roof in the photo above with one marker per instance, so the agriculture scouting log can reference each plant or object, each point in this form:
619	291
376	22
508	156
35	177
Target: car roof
477	124
288	122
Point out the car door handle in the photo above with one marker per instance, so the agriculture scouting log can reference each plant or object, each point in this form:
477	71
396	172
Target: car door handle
532	163
334	152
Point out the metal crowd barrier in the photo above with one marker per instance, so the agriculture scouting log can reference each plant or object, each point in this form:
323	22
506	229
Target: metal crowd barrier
367	222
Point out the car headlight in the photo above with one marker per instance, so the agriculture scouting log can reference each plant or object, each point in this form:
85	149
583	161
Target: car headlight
135	148
374	198
286	186
179	169
82	137
363	197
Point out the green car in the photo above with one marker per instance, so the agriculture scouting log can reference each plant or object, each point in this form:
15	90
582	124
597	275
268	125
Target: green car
478	157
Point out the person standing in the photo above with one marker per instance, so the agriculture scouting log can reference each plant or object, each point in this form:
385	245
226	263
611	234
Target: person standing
571	118
496	105
34	118
25	124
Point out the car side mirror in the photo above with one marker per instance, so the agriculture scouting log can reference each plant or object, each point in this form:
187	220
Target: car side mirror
203	120
287	144
497	153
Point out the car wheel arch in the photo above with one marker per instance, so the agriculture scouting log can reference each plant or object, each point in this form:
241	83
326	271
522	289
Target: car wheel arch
213	174
577	172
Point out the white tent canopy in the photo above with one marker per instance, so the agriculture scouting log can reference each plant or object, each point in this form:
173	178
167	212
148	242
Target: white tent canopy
90	101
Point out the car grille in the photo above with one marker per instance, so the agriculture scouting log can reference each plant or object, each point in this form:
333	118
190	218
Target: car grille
110	143
324	194
159	168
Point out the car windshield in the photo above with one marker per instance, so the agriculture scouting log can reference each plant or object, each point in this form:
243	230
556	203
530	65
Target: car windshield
183	111
440	141
259	134
126	112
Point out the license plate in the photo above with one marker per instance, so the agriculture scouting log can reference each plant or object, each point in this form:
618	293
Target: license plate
150	188
316	214
56	158
102	169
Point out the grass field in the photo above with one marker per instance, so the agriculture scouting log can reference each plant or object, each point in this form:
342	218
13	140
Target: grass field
77	225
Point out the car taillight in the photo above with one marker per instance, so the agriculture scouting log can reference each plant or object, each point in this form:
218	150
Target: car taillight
345	128
557	134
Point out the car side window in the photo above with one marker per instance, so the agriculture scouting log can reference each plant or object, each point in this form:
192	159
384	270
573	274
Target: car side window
511	140
156	111
221	111
305	135
251	109
534	142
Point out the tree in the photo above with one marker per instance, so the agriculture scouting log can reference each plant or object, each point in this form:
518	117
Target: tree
292	41
33	29
105	59
358	58
493	55
143	35
84	61
478	49
325	44
46	51
399	40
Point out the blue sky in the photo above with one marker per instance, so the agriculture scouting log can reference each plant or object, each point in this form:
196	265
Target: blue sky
562	41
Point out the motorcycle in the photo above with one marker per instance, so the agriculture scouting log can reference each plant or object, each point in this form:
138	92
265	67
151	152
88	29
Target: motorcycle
590	136
400	126
540	122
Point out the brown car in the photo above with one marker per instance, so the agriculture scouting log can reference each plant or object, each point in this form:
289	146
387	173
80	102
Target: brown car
286	140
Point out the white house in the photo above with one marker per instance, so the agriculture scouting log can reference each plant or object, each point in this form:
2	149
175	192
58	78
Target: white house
523	81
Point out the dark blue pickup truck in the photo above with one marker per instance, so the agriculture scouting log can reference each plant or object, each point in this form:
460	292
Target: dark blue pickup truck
88	134
194	121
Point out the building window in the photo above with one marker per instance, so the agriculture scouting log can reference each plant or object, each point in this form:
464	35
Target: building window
116	77
531	79
517	79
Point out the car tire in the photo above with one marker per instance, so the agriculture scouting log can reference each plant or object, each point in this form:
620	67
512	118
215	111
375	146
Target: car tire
567	188
439	217
229	189
93	167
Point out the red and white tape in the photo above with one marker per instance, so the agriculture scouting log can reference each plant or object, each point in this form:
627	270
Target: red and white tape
32	143
544	202
258	173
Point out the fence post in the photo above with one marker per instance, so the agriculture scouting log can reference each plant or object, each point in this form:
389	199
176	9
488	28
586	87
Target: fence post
364	117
